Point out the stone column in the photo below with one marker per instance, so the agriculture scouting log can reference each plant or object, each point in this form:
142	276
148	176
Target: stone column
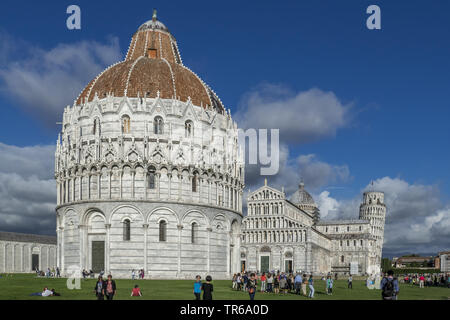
209	190
80	186
230	234
107	248
109	187
61	259
180	183
169	178
208	265
158	179
180	228
120	184
99	185
133	175
145	226
81	235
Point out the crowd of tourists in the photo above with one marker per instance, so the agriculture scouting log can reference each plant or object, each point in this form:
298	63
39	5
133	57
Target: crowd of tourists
49	273
427	280
276	283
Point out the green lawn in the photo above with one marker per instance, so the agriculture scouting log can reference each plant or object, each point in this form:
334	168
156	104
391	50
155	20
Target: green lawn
19	286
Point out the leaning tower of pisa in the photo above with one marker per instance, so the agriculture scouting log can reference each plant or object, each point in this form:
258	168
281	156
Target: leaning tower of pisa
373	210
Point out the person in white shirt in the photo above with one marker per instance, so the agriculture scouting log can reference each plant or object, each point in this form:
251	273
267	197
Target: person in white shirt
47	292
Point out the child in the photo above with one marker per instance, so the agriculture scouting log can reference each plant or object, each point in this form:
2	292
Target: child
197	287
207	288
136	292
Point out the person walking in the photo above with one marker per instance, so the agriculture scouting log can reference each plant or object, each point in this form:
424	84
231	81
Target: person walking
99	288
207	289
329	282
110	290
389	287
298	283
304	284
311	286
251	285
197	287
58	273
350	282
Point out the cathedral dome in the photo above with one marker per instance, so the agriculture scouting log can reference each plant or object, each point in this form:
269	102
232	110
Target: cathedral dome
152	67
301	196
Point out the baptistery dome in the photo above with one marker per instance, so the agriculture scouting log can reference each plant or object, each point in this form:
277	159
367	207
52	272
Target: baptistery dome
148	170
152	67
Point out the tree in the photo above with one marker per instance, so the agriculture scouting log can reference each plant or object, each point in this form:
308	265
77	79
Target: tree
386	264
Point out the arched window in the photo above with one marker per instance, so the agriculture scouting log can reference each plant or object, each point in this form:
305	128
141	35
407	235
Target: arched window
194	183
151	179
188	129
158	125
126	124
126	230
162	230
342	258
193	232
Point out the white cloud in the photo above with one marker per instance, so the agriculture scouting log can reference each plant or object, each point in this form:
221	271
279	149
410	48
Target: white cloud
301	117
45	81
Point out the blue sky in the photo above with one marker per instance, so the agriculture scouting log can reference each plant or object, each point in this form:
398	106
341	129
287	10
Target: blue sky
393	82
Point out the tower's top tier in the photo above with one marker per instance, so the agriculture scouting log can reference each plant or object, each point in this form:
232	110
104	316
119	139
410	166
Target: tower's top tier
152	67
373	197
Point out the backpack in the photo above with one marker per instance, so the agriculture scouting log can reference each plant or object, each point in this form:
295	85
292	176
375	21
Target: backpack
388	289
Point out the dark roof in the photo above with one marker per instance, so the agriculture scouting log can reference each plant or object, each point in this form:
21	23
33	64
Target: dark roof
24	237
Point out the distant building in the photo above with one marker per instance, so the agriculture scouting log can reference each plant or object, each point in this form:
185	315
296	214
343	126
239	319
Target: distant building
21	252
415	262
287	235
444	258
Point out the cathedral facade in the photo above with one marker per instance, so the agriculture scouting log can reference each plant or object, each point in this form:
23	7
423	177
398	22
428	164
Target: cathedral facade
148	170
287	235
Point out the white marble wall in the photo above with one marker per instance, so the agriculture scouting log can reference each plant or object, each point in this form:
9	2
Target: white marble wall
15	257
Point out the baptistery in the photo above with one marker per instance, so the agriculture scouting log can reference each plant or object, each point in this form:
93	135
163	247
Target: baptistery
148	170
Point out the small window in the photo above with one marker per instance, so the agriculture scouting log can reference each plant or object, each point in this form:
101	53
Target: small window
126	230
152	53
342	258
151	180
188	129
96	127
126	124
348	229
194	183
193	232
158	125
162	230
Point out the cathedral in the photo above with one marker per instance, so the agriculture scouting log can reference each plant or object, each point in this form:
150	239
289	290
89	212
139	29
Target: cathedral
287	235
150	176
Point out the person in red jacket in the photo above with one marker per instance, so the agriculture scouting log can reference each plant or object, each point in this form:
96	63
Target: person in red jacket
136	292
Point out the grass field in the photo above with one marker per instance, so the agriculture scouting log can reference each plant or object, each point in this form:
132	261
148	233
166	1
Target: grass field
19	287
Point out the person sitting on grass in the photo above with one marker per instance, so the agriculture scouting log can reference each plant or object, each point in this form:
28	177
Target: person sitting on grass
207	289
197	287
136	292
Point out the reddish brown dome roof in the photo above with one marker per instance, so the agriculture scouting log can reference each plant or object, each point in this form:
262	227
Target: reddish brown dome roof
152	64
